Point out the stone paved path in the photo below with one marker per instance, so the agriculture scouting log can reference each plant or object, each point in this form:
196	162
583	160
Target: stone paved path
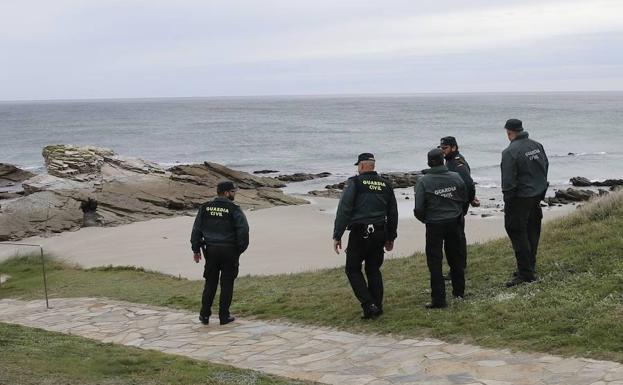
311	353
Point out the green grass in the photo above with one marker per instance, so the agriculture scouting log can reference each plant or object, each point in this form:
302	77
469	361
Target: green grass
33	356
574	309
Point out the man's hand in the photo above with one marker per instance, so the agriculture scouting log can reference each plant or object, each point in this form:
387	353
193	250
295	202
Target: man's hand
475	203
337	246
389	245
197	257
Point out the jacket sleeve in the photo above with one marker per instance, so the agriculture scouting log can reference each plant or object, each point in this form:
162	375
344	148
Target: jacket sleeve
465	194
196	235
392	216
463	171
344	210
509	175
242	230
420	201
546	171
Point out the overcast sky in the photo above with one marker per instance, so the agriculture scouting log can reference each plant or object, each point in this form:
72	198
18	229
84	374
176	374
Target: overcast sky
65	49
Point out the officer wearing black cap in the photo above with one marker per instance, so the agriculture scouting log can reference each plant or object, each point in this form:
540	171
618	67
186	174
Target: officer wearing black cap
440	197
222	231
456	162
524	184
368	209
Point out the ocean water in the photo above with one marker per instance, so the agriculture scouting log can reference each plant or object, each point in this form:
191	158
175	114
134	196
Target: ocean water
582	132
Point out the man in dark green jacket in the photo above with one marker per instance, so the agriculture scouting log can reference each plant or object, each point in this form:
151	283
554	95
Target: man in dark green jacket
369	210
456	162
222	231
440	197
524	184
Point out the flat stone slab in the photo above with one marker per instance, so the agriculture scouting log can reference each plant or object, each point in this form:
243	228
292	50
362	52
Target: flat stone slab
306	353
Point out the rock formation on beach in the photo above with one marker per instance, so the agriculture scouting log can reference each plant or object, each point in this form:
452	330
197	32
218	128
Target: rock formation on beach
301	176
580	181
11	179
328	193
572	195
397	179
125	189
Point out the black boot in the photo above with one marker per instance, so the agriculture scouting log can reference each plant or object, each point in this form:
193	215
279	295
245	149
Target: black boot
370	311
518	280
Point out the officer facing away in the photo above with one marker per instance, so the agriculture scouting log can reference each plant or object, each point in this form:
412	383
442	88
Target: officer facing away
368	209
440	198
222	231
524	184
456	162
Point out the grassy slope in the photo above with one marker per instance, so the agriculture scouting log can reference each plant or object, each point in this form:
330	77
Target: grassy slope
36	357
575	309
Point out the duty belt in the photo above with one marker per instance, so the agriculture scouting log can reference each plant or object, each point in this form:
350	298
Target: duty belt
367	230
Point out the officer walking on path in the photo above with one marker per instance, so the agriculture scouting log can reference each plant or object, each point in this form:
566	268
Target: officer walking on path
222	231
369	210
524	184
440	197
456	162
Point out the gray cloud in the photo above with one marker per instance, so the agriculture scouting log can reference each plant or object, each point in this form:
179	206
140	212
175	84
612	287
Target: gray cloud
80	49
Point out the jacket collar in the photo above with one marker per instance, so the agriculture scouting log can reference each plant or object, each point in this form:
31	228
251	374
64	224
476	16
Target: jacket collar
521	135
222	199
437	170
452	155
369	173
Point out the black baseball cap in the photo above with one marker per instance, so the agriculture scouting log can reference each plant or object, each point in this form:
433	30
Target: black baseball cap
225	186
365	156
435	156
448	141
514	125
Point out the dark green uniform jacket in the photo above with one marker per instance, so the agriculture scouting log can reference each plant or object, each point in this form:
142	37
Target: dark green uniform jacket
220	222
524	168
457	163
367	199
440	196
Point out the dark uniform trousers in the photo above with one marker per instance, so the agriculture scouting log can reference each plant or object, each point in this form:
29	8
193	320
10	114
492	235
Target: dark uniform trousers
369	249
440	237
463	242
522	220
221	261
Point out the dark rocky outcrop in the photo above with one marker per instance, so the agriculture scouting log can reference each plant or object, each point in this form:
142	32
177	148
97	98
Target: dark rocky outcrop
209	174
336	186
579	181
402	179
11	178
572	195
329	193
125	190
397	179
10	195
301	177
265	171
11	174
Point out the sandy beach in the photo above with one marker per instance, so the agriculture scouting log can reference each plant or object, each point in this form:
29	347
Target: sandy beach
285	239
